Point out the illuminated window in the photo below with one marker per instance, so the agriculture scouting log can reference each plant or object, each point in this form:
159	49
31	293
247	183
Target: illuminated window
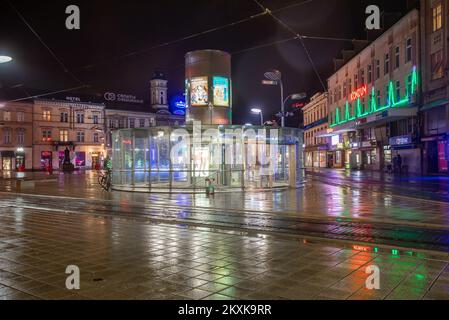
437	65
63	135
46	115
408	50
437	13
6	116
46	135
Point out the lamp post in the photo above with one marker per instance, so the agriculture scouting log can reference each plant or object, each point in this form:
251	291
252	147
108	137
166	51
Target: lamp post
274	78
258	111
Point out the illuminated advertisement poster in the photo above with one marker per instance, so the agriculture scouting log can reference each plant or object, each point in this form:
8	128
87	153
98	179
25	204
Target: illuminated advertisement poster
198	91
221	91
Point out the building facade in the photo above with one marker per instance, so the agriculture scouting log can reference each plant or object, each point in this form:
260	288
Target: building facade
374	100
435	81
78	126
16	144
316	152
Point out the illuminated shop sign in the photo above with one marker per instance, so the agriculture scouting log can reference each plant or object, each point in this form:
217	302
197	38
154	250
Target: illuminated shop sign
221	91
360	92
199	91
354	110
400	140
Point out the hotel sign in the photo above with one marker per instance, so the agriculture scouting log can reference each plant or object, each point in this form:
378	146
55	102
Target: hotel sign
360	92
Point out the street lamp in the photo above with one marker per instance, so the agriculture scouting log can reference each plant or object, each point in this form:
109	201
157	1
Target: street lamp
5	59
258	111
274	78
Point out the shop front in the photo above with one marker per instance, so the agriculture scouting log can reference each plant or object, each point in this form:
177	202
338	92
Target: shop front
409	151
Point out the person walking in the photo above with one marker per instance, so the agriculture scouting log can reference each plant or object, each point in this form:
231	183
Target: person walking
399	162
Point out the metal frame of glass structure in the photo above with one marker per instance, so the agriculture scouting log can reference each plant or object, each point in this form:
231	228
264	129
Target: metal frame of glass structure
229	157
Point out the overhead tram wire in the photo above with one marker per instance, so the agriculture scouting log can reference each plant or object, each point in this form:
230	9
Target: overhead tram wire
62	65
222	27
300	38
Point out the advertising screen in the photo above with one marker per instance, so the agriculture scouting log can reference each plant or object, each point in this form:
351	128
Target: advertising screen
199	91
221	91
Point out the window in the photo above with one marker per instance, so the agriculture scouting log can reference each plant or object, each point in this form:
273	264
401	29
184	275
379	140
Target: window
96	137
132	123
397	59
7	136
370	74
95	118
46	115
46	135
362	77
356	82
80	118
408	50
64	117
80	136
21	136
63	135
6	115
437	65
349	86
387	63
437	13
398	90
20	116
111	123
377	69
142	123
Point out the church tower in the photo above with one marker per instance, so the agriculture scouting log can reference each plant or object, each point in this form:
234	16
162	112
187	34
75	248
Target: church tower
158	94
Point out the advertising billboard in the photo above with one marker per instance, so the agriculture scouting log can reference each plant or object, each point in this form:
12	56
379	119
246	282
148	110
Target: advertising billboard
199	91
221	91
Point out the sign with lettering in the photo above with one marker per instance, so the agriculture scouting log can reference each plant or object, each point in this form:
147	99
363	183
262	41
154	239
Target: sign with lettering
360	92
400	140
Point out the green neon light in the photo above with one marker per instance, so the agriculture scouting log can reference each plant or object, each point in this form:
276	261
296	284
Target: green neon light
372	107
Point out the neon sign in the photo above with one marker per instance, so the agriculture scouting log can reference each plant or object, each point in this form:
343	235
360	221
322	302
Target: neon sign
356	112
360	92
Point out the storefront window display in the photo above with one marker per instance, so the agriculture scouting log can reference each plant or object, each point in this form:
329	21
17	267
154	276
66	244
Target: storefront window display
80	159
46	160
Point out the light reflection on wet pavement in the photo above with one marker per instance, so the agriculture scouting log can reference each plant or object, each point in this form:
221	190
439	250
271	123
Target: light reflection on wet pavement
163	246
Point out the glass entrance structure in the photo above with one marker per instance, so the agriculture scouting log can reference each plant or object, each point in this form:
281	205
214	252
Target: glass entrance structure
189	158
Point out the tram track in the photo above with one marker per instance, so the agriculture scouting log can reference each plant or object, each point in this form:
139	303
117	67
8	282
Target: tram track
374	233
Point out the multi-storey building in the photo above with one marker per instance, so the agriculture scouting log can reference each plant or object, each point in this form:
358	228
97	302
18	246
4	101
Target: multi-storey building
435	82
374	99
78	126
315	124
16	128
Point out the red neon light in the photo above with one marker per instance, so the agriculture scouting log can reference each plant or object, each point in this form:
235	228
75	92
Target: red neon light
360	92
361	248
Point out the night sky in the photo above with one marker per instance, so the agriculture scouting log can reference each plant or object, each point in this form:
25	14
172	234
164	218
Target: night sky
116	46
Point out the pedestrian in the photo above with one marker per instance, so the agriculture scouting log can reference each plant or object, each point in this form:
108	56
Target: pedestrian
399	162
395	164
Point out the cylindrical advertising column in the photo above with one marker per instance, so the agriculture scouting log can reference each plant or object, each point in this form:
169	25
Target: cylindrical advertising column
208	87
